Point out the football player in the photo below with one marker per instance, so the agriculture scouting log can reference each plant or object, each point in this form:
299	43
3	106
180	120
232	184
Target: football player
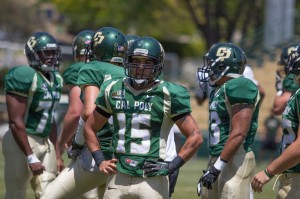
143	109
108	48
285	84
32	93
233	114
171	145
81	49
287	165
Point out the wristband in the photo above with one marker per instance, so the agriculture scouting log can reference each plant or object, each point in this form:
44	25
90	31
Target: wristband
98	157
175	164
268	173
32	159
220	164
79	138
279	93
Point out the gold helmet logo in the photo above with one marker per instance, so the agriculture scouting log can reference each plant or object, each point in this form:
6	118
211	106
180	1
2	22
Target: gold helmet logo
31	42
223	53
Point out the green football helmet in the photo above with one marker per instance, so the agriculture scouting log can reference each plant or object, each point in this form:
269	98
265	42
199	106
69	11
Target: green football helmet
144	47
109	45
130	39
223	59
282	63
293	63
43	52
82	44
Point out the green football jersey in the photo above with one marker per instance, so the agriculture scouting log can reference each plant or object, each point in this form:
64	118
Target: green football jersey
70	75
289	124
42	96
235	91
289	84
95	73
142	120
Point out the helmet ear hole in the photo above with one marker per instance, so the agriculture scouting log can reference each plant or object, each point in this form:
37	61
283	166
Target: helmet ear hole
221	67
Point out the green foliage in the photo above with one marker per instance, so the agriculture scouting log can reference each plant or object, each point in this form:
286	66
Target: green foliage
159	19
193	49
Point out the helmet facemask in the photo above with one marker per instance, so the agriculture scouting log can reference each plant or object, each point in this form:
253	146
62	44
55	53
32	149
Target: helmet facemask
212	70
81	45
46	59
293	65
142	73
284	59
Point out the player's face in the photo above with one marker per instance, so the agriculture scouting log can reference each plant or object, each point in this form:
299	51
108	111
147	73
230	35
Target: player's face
142	67
47	56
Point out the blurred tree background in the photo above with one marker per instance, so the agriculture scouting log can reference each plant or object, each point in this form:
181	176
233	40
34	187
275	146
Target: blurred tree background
186	28
198	23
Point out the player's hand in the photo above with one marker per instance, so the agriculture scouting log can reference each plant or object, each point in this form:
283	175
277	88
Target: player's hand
74	150
108	166
259	180
59	147
60	165
278	83
36	168
155	168
199	185
209	177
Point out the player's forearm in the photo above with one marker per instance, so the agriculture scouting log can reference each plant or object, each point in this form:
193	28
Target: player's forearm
91	139
232	145
69	127
20	136
288	159
191	145
190	130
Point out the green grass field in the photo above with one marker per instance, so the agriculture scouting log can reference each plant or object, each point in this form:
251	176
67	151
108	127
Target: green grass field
186	184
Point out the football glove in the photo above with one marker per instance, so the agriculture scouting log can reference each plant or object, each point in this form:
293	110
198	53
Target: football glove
199	185
154	168
209	177
74	150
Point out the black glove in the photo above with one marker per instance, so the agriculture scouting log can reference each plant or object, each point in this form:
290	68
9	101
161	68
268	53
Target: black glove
74	150
209	177
153	168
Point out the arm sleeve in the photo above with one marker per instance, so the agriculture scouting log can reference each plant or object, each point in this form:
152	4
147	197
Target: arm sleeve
180	102
241	90
18	81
